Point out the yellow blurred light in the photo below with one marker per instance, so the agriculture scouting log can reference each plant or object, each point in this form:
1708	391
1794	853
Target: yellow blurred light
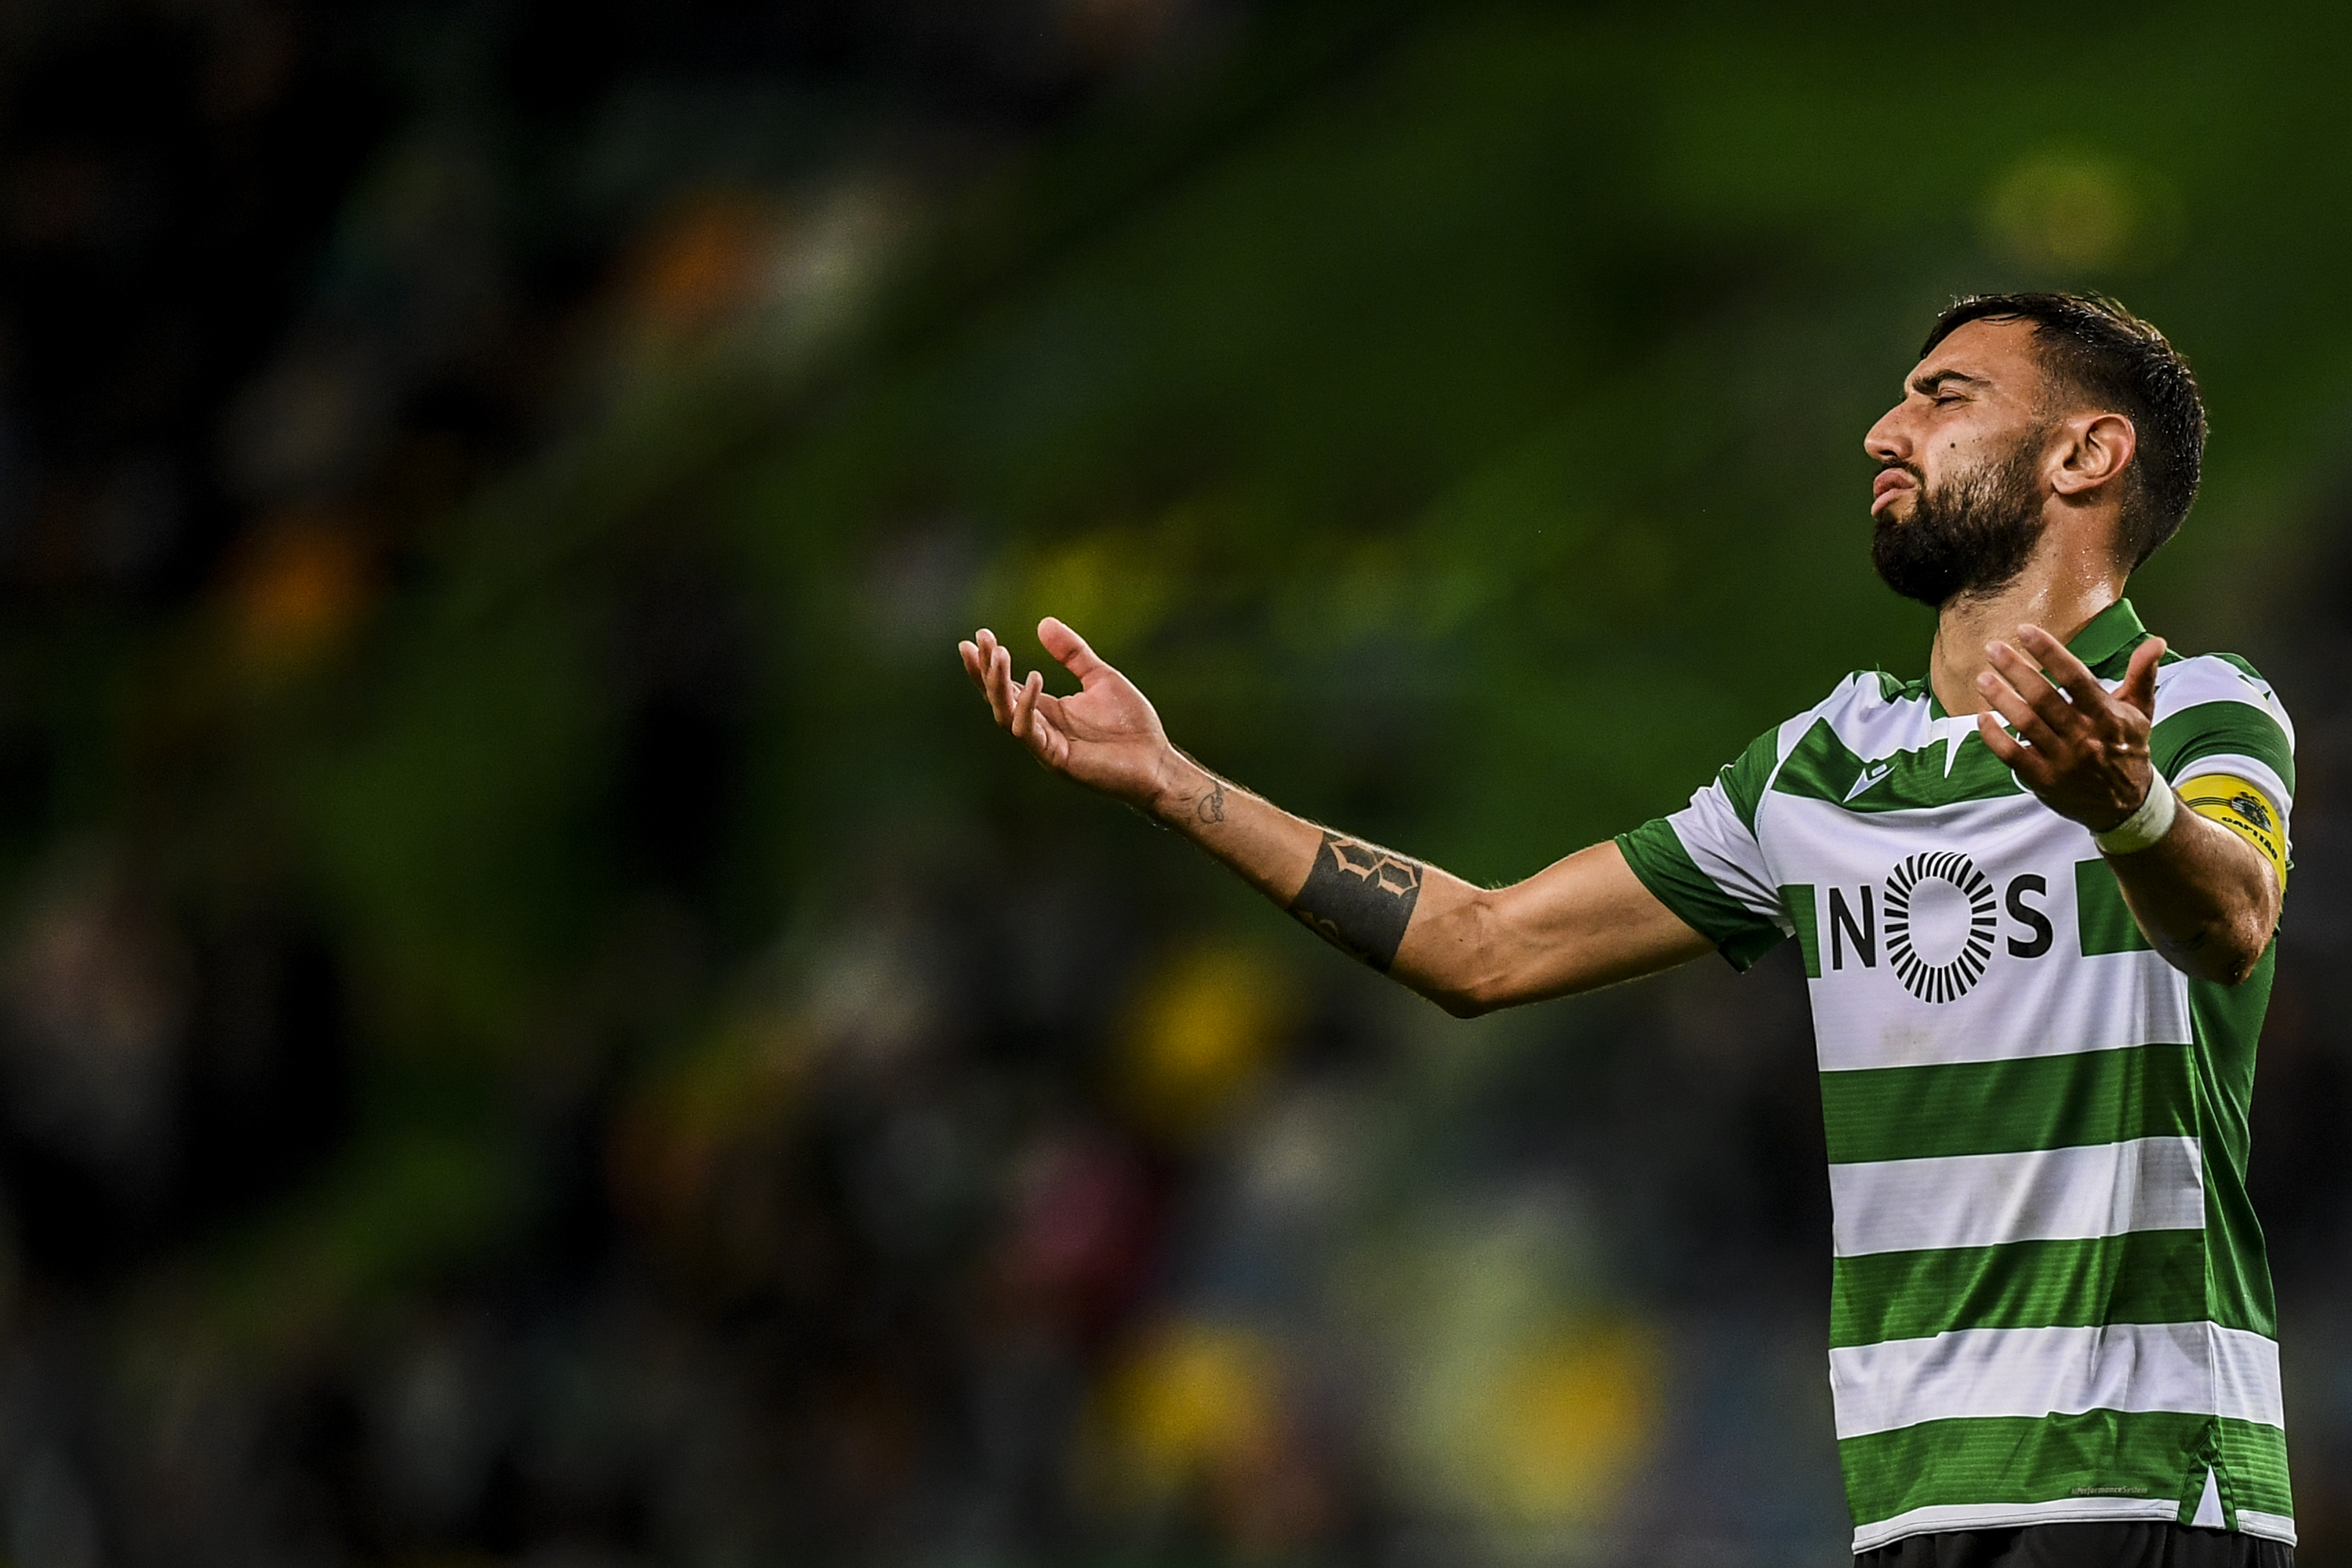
1573	1420
1205	1029
1194	1398
1112	586
2079	211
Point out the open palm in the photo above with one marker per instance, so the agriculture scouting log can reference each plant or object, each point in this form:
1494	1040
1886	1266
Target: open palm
1106	735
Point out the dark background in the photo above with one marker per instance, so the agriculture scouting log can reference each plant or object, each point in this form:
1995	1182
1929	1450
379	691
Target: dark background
539	1023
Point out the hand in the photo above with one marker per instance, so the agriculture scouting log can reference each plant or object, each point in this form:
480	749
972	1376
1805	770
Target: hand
2088	758
1106	736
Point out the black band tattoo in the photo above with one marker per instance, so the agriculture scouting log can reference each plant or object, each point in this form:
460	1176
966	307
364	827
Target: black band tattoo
1359	898
1211	807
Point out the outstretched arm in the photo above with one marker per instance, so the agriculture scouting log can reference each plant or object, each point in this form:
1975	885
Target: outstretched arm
1582	922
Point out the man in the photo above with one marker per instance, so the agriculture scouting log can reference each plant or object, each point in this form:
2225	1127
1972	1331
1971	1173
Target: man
2034	893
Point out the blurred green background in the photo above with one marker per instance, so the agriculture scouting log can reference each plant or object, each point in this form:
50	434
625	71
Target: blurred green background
538	1021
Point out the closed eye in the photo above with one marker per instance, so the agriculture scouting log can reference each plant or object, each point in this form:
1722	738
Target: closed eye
1943	384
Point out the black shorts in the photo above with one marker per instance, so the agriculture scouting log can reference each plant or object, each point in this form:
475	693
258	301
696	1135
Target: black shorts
2121	1545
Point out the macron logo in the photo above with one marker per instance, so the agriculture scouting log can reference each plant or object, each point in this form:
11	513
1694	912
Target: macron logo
1870	776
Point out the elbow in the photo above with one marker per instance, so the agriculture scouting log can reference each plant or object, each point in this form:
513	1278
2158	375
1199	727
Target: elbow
2250	935
2244	956
1471	982
2233	955
1469	1003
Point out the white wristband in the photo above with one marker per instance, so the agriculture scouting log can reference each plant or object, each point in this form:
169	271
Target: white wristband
2143	827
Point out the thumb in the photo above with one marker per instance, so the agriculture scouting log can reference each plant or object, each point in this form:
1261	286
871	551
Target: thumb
1070	650
2140	679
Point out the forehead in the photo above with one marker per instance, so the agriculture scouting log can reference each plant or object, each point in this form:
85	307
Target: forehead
1999	352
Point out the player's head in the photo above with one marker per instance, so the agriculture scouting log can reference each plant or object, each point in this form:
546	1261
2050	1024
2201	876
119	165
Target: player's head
2022	407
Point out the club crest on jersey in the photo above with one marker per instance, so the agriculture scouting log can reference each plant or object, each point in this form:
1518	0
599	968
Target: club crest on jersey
1927	978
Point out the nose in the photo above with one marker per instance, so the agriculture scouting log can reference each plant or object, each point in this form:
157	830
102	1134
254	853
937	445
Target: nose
1885	441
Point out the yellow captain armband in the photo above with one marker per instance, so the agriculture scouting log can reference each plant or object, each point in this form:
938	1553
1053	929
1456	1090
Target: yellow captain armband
2245	809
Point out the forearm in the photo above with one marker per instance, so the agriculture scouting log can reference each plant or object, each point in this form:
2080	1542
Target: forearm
1585	921
2203	896
1266	847
1378	907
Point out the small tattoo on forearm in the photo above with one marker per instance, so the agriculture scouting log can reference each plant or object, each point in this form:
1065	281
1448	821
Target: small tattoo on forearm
1211	807
1359	899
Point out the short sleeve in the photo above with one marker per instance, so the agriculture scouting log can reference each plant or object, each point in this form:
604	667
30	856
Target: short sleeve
2218	729
1704	862
2215	714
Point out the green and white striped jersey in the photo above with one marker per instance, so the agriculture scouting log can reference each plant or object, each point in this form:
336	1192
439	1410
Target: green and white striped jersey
2052	1301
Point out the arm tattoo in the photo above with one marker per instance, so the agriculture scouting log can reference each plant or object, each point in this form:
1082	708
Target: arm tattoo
1359	898
1211	807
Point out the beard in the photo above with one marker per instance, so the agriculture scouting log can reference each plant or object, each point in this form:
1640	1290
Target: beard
1971	535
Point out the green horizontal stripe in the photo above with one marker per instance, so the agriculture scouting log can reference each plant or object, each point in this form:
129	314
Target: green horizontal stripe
2220	729
2140	1276
1998	1108
1823	767
1656	854
2102	920
2022	1459
2253	1461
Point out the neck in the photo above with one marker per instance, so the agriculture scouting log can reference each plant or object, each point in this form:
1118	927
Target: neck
2060	593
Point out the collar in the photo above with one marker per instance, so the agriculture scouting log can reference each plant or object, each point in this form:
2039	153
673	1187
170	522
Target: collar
2109	632
2102	636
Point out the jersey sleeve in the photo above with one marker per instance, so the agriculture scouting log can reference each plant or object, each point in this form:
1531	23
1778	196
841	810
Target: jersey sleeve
1704	862
2224	740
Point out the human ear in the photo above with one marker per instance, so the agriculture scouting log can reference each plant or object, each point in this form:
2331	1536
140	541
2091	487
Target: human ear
2101	447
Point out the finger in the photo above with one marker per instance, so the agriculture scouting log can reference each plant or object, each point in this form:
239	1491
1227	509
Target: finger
1049	739
1024	705
983	658
2026	679
2020	714
2031	767
2138	689
985	651
969	651
1070	650
2070	674
2000	742
1000	685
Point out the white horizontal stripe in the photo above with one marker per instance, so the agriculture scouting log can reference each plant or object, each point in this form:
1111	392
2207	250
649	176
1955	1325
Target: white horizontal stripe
2277	1526
2007	1515
2037	1195
2057	1003
2193	1368
2058	1006
2195	681
1719	845
2246	1377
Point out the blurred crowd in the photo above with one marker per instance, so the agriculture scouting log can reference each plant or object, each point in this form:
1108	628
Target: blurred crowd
539	1023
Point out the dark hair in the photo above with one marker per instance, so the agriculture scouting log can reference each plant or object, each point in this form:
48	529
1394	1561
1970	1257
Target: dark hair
2096	351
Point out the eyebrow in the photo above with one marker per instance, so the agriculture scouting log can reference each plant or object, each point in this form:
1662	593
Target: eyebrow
1929	384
